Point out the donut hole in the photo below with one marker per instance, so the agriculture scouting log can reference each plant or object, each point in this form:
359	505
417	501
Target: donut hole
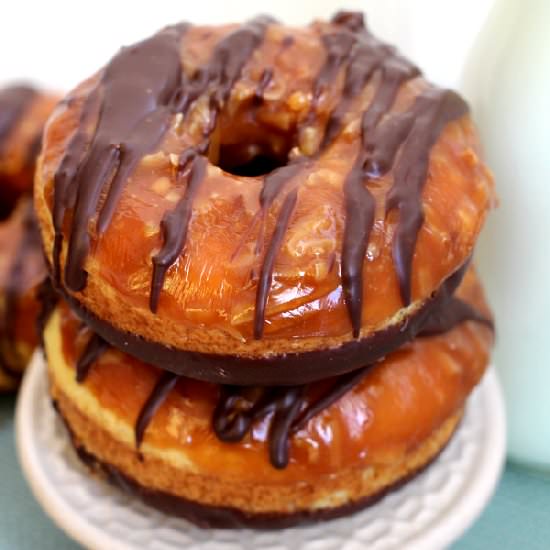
249	160
251	149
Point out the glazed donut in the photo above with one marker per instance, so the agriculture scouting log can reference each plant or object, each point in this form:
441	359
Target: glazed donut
258	204
223	456
23	112
22	270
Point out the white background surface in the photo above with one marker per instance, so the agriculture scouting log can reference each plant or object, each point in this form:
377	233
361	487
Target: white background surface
59	43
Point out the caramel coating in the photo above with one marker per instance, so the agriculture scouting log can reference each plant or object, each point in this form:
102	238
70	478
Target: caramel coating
208	300
22	265
403	403
19	306
19	147
332	494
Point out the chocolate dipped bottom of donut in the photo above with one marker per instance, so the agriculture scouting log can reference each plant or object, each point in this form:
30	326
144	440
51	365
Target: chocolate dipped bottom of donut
261	193
293	453
285	369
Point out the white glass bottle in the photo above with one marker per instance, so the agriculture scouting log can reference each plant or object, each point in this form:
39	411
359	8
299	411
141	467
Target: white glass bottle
507	81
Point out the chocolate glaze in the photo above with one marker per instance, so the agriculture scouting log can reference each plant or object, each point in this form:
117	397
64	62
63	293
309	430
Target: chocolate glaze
174	227
266	272
433	110
140	91
342	385
163	387
137	96
219	76
263	83
13	103
94	349
215	517
274	184
353	20
239	407
284	369
455	312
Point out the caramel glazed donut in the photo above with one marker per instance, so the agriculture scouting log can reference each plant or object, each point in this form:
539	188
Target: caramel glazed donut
23	112
260	231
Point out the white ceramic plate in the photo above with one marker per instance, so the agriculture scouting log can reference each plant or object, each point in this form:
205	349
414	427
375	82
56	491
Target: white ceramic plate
430	512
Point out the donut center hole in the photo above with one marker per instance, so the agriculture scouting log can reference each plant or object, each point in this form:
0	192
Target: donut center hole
249	160
251	150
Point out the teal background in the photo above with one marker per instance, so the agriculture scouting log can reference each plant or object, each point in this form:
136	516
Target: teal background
518	517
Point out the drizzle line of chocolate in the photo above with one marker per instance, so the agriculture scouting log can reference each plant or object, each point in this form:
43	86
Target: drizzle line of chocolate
138	95
13	102
219	76
414	131
457	311
94	349
343	384
263	83
433	110
264	283
135	98
174	227
30	241
163	387
239	407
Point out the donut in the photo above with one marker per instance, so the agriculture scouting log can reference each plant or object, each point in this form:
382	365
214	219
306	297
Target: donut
257	204
23	112
227	456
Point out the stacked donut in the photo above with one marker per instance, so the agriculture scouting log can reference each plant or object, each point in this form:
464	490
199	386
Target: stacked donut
23	112
263	309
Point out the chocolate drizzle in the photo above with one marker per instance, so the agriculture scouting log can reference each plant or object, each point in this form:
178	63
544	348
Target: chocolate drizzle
265	80
432	111
277	369
140	91
266	273
13	103
174	228
239	407
455	312
368	57
94	349
144	86
163	387
218	77
342	385
136	104
208	516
